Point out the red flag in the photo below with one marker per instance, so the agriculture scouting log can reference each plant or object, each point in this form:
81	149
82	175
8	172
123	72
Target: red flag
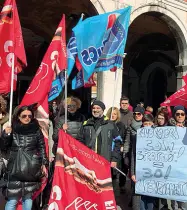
78	64
11	43
82	178
179	97
54	61
90	82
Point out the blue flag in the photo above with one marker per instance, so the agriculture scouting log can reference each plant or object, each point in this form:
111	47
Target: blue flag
78	81
72	51
100	41
57	86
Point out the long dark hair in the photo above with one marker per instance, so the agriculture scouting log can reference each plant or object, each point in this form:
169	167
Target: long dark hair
20	110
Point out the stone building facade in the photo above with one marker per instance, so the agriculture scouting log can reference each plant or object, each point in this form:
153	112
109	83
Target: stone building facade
156	45
156	51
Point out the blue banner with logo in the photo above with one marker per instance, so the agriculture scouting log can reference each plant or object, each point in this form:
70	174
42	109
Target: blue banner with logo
78	81
57	86
101	40
72	51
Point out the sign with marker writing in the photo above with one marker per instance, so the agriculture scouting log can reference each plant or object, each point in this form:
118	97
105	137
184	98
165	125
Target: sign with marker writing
161	162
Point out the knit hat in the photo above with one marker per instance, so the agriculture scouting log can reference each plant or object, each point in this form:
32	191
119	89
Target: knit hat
139	109
179	107
99	103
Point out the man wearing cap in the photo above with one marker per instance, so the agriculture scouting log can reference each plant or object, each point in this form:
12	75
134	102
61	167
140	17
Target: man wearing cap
101	135
179	119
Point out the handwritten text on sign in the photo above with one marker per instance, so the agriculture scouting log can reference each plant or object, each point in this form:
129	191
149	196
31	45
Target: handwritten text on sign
161	162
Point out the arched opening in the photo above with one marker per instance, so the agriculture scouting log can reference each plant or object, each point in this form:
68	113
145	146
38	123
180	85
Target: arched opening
154	49
157	87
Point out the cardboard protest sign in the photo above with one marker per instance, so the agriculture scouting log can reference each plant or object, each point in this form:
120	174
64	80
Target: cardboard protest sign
161	162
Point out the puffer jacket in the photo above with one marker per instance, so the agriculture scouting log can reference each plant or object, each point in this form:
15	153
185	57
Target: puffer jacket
107	143
27	138
130	144
74	122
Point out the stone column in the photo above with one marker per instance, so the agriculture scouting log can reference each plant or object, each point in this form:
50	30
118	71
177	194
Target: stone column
105	88
181	71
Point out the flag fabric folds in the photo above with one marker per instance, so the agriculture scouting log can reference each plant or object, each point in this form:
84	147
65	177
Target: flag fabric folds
11	45
37	93
86	172
60	63
79	82
179	97
72	51
52	64
100	41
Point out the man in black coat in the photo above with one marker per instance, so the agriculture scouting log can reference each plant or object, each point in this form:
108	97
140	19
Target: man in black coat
126	119
101	135
126	114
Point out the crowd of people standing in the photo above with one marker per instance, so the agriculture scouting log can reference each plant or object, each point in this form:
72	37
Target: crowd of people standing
23	159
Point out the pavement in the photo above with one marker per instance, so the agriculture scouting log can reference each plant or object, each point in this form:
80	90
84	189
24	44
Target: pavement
122	200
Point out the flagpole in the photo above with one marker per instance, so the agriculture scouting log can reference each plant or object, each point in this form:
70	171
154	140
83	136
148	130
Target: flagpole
115	86
12	72
11	91
66	96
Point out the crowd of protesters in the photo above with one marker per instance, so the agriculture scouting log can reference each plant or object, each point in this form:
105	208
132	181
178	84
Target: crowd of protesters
23	159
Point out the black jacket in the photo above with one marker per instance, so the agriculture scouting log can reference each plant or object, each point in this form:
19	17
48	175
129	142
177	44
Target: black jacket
108	142
130	144
27	138
121	128
74	123
126	117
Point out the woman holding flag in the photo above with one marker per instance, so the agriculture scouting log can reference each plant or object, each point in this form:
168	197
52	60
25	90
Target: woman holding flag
27	161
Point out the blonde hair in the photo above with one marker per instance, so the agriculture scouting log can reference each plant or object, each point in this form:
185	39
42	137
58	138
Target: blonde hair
109	112
149	109
75	99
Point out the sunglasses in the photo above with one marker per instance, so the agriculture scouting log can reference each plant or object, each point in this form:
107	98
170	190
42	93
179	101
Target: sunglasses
137	114
180	114
71	106
25	116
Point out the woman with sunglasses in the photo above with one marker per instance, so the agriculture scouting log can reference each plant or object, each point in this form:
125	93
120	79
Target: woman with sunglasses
130	149
179	119
74	120
23	177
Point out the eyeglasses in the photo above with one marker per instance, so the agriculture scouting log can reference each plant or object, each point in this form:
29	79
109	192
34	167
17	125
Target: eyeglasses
137	114
71	106
25	116
161	118
180	114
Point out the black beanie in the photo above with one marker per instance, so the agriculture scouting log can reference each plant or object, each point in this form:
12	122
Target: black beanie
139	109
179	107
99	103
